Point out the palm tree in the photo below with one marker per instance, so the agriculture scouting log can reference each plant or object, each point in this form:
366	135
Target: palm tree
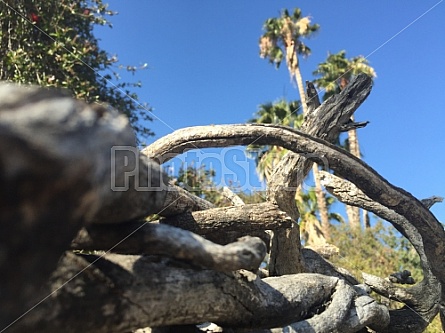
280	112
335	74
338	71
312	233
282	39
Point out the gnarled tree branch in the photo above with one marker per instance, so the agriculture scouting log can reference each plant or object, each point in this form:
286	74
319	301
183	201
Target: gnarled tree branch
343	163
55	174
58	187
420	299
133	291
151	238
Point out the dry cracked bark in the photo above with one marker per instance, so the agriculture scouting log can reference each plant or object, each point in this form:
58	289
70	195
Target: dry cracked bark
325	121
125	292
55	169
386	195
420	300
223	224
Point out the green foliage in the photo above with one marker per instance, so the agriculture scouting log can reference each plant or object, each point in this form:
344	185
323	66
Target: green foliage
198	180
281	31
377	250
337	71
280	112
51	43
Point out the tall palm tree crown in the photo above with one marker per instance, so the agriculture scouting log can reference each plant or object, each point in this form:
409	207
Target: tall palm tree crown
280	112
282	40
338	71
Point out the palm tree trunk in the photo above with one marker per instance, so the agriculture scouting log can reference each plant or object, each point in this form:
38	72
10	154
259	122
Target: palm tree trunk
354	148
353	212
321	203
297	75
366	219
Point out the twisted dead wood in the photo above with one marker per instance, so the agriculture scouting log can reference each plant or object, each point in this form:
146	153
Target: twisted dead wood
323	121
420	300
158	239
430	232
216	222
133	291
343	163
55	174
137	291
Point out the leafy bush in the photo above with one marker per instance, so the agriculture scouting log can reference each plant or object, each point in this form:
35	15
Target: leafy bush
51	43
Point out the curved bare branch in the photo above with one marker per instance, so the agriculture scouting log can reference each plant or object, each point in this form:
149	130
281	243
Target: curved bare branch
377	188
342	162
421	299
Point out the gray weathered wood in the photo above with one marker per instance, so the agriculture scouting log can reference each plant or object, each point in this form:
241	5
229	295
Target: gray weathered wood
126	292
323	121
178	201
241	219
55	174
420	299
344	164
152	238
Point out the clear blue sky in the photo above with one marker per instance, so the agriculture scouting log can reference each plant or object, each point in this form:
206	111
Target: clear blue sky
204	68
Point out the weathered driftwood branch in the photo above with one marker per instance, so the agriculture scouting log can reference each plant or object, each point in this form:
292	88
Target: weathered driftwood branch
429	202
227	224
315	263
323	122
343	163
232	196
129	292
157	239
178	200
55	174
422	298
136	188
350	310
420	303
241	219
